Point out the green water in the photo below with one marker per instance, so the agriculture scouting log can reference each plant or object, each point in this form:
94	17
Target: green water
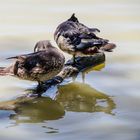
106	106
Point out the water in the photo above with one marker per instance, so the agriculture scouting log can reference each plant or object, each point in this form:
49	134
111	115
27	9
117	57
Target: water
106	106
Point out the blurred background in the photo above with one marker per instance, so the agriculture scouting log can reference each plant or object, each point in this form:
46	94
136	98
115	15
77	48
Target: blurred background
24	22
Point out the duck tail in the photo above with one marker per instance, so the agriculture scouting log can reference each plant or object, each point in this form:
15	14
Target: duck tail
108	47
4	71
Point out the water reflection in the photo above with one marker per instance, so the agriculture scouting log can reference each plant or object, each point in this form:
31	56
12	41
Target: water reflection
75	97
80	97
38	110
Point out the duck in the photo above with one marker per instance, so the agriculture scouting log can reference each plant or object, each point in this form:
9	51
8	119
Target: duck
77	39
44	63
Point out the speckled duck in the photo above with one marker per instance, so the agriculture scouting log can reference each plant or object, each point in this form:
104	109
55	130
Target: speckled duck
75	38
43	64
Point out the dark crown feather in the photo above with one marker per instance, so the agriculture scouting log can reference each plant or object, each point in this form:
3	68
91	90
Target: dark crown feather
73	18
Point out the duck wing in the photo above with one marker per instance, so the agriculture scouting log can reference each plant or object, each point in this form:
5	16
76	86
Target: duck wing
78	35
87	43
22	57
86	30
33	63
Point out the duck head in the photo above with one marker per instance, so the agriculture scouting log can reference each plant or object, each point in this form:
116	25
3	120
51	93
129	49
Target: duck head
42	45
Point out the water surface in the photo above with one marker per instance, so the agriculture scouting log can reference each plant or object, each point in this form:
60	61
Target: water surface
105	107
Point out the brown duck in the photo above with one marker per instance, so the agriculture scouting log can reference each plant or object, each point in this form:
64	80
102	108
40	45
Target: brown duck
43	64
75	38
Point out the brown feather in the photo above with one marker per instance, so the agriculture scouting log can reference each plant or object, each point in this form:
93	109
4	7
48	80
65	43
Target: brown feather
108	47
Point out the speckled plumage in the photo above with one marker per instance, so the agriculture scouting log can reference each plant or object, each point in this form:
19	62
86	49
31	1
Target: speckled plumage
75	38
41	65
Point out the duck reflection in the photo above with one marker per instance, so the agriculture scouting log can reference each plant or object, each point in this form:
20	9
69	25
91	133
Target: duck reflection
76	97
38	110
80	97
